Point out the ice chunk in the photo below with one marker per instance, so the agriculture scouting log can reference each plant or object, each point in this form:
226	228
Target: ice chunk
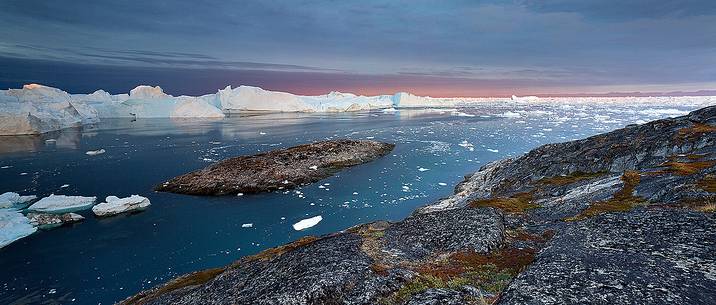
422	169
13	226
47	221
247	225
307	223
11	200
95	152
58	204
493	150
115	205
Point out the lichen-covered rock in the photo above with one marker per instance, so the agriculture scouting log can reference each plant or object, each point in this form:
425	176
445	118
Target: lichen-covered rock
620	218
647	256
277	169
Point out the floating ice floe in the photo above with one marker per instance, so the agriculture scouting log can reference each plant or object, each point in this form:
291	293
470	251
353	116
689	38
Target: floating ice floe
442	183
58	204
95	152
115	205
493	150
307	223
422	169
247	225
13	226
12	200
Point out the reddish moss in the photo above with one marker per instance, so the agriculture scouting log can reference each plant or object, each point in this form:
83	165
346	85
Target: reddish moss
277	251
687	168
517	204
708	183
622	201
695	131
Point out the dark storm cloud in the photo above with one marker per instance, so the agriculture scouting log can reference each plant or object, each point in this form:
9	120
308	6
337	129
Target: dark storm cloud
519	42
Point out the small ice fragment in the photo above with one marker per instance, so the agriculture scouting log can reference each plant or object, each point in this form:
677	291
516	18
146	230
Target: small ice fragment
6	166
247	225
307	223
239	194
321	187
355	193
50	141
370	138
23	174
95	152
442	183
422	169
52	291
64	186
262	133
493	150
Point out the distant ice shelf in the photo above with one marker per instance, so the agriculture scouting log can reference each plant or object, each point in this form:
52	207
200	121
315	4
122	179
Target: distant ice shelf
37	109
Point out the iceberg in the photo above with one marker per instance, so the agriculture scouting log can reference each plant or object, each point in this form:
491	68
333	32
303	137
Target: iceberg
13	226
59	204
14	200
307	223
115	205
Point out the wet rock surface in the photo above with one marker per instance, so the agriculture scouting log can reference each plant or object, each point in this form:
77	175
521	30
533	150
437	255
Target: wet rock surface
620	218
277	169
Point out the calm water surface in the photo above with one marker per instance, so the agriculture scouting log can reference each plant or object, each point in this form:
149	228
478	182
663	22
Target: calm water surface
106	260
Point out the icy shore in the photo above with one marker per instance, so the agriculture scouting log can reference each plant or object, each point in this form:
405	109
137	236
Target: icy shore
37	109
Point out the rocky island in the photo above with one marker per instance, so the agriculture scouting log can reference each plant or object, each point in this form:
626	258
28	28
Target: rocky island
277	169
624	217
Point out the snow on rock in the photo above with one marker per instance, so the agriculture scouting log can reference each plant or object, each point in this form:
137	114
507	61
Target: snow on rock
12	200
58	204
115	205
46	221
307	223
13	226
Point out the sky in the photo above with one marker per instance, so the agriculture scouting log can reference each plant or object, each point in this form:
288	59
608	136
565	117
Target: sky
436	48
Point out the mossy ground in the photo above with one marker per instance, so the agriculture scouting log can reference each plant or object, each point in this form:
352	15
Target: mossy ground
277	251
708	183
516	204
694	132
490	273
622	201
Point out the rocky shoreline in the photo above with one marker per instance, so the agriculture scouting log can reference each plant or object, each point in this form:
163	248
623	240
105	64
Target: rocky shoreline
277	169
624	217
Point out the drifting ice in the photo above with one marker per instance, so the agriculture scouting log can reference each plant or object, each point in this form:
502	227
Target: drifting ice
58	204
115	205
307	223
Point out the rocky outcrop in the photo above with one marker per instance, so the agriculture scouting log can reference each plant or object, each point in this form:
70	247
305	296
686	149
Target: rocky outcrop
46	221
620	218
277	169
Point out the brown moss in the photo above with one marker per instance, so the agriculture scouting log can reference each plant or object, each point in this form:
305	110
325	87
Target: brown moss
379	269
622	201
687	168
525	236
708	183
277	251
191	279
703	204
569	179
517	204
695	131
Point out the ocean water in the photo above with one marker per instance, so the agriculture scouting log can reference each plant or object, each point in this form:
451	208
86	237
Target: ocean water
105	260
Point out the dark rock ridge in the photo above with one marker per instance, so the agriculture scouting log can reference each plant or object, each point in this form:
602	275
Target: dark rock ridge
277	169
624	217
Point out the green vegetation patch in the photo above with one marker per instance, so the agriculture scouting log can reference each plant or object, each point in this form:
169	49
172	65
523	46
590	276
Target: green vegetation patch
516	204
622	201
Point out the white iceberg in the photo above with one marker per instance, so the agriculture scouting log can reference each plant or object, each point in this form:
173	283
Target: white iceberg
307	223
115	205
58	204
11	200
13	226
